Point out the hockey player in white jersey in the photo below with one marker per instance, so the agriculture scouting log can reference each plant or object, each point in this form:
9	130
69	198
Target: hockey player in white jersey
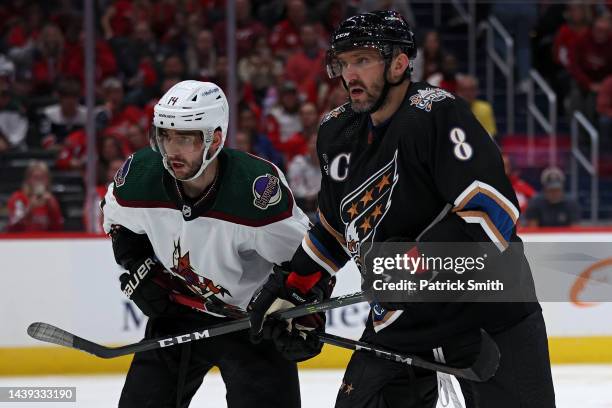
192	222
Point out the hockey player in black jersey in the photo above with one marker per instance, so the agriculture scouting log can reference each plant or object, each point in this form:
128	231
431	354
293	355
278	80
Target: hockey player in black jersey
406	159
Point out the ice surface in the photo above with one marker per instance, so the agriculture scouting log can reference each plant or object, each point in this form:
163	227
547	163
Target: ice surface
584	386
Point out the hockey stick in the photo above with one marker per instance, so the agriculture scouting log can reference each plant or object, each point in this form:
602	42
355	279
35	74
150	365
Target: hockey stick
481	370
51	334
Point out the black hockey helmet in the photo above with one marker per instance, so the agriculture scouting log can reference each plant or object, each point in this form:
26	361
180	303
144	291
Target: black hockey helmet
382	30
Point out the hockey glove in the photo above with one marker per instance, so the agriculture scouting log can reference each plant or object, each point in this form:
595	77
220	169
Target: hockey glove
280	292
293	344
137	285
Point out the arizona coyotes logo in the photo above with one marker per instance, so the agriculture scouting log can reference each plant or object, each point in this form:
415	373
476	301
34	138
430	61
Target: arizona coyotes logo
364	208
181	266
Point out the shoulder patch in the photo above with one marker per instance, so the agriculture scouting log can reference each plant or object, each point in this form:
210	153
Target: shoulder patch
122	173
334	113
139	181
267	191
425	98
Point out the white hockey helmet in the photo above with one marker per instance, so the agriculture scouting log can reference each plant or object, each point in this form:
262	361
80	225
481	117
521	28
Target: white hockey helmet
191	105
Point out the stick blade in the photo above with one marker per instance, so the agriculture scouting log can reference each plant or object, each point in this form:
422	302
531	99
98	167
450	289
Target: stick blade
48	333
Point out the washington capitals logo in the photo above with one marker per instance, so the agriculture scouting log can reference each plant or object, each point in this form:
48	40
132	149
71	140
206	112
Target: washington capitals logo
426	97
364	208
181	266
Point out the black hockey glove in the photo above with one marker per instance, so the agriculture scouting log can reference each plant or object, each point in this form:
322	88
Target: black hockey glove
293	343
135	254
281	292
291	337
138	285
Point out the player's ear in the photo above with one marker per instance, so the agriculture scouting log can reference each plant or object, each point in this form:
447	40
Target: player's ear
400	64
217	136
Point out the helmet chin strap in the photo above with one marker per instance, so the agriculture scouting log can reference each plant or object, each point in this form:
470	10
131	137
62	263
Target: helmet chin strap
385	91
383	94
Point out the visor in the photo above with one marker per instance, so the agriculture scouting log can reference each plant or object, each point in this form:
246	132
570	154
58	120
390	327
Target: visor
333	65
177	141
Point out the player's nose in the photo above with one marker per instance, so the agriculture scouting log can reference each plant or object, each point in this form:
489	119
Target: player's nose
350	76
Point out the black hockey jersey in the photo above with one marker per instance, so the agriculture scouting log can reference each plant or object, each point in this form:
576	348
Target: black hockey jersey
431	161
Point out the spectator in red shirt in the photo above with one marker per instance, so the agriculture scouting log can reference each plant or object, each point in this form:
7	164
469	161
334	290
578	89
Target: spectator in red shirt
136	57
118	19
73	153
604	108
27	29
114	117
523	190
163	15
285	37
247	30
577	16
297	144
49	62
591	65
34	208
283	121
305	67
447	77
74	55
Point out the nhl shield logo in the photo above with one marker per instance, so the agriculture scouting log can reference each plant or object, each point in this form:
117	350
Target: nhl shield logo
364	208
267	191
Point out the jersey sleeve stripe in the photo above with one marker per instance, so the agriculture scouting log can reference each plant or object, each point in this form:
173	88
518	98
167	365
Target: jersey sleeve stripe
482	218
313	252
503	223
330	229
465	199
389	317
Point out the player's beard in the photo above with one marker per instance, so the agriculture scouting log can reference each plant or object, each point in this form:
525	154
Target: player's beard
371	94
189	169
